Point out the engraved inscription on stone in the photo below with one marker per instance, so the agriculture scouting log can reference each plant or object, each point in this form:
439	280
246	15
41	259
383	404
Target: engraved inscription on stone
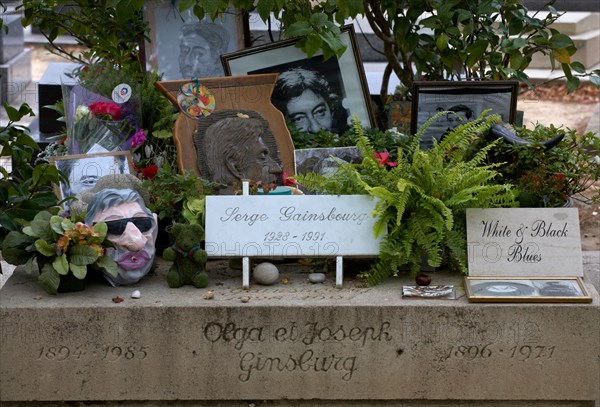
311	338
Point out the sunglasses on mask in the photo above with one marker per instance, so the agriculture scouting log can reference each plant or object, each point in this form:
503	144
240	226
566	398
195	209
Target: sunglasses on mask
117	227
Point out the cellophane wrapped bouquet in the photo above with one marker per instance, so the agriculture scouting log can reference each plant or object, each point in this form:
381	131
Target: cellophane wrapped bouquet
102	110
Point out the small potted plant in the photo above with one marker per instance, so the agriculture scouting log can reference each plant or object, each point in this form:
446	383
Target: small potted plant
63	248
549	177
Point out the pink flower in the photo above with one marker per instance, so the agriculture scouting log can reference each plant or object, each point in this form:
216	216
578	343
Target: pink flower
137	139
106	110
383	158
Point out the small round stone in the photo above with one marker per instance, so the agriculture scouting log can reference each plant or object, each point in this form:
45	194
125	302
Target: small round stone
316	278
266	273
136	294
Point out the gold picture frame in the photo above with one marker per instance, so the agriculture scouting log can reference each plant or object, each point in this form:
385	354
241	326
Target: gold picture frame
526	289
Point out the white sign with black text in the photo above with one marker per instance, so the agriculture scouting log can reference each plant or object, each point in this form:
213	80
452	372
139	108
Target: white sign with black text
290	226
530	242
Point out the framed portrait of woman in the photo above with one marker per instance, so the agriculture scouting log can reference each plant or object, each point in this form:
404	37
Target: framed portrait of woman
180	46
313	93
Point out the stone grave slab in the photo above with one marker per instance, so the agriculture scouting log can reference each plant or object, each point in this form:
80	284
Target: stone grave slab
15	75
11	42
292	343
50	92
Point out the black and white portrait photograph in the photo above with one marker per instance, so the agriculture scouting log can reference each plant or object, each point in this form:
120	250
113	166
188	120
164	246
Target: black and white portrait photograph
462	102
182	47
83	171
313	94
557	288
325	161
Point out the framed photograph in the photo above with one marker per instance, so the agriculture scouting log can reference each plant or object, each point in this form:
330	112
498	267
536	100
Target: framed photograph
313	94
465	100
324	161
529	289
83	171
182	47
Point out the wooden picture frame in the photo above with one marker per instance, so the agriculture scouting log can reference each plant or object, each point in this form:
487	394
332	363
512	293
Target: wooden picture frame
526	289
241	93
84	170
468	99
342	81
169	28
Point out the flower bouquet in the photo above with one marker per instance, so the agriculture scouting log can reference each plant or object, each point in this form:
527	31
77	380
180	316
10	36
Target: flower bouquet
97	123
64	249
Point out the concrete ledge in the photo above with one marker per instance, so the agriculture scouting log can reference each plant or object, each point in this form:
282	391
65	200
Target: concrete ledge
295	345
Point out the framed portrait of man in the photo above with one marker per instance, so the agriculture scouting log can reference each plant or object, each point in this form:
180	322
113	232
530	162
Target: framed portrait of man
83	171
182	47
463	100
313	93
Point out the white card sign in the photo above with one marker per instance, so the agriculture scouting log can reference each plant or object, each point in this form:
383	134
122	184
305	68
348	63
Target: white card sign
296	225
511	242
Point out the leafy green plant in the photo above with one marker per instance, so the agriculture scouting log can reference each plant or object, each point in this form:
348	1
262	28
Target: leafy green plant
430	39
433	39
422	200
60	246
26	189
549	177
169	191
110	30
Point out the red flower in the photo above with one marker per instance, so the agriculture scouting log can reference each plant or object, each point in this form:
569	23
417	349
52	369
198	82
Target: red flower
383	158
150	171
289	181
106	110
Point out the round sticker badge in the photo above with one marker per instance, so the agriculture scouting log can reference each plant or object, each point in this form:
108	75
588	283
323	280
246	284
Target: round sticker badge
121	93
195	100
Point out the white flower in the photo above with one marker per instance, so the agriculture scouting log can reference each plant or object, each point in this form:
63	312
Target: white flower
82	112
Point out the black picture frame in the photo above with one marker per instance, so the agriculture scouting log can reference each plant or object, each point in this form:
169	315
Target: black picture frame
467	98
345	74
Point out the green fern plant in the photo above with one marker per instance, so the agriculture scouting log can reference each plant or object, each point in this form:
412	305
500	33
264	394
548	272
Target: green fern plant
422	201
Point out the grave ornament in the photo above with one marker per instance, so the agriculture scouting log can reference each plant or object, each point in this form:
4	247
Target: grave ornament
132	229
188	257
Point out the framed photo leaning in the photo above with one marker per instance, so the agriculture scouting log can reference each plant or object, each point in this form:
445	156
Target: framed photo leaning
181	47
313	94
465	99
84	170
526	289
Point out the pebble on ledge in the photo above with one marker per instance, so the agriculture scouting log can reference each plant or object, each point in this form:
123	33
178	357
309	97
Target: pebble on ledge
316	278
265	273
